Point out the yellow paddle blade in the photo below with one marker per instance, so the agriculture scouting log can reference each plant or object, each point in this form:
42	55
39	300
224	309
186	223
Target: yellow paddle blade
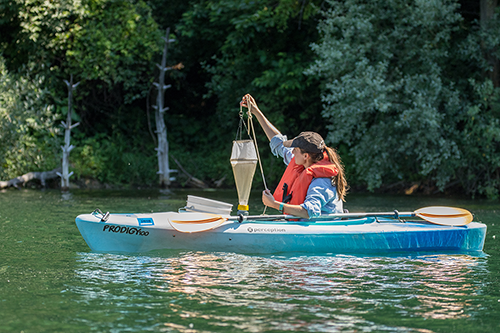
445	215
195	222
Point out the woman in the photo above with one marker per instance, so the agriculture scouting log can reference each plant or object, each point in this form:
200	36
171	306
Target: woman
313	182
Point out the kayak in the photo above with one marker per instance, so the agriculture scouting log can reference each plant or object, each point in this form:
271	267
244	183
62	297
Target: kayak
143	232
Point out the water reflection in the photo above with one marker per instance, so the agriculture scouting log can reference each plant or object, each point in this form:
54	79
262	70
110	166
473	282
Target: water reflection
250	293
66	195
451	279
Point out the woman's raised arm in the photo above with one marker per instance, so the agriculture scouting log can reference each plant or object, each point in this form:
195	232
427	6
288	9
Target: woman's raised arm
249	102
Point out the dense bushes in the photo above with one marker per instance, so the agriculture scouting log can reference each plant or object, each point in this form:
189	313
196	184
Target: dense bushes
403	89
28	130
400	91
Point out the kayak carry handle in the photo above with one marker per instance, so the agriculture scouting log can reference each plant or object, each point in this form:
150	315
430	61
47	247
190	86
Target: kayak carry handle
103	217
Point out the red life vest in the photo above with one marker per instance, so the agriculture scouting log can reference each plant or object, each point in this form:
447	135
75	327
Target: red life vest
298	179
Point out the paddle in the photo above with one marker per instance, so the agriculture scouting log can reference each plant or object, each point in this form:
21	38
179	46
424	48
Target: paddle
197	222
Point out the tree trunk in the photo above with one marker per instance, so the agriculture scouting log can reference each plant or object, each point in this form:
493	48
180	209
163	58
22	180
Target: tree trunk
161	129
67	148
40	175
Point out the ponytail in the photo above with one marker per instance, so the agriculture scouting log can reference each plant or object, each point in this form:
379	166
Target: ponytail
339	180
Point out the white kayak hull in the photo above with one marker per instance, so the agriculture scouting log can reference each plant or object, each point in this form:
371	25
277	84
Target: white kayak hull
137	233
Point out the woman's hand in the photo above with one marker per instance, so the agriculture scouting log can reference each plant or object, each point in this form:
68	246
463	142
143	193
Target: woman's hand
268	199
249	102
246	99
296	210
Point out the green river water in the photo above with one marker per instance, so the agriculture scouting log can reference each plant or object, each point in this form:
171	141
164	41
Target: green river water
50	281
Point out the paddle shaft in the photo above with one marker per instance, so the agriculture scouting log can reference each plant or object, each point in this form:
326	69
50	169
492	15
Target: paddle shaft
395	214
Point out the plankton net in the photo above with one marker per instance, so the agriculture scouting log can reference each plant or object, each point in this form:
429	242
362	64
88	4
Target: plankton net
244	157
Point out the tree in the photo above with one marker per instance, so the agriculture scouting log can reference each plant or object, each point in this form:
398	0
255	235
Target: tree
28	133
110	44
257	47
480	135
67	148
160	109
393	93
488	18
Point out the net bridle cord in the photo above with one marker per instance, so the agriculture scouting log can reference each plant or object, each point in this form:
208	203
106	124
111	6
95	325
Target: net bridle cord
251	128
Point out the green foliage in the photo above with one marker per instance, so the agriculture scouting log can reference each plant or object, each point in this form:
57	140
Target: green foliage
108	45
408	89
481	141
115	160
256	47
215	166
115	43
28	132
393	94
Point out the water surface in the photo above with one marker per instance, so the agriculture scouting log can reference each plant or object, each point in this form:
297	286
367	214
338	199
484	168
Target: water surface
51	282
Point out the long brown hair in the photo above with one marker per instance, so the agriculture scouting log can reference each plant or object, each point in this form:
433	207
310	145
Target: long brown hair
339	180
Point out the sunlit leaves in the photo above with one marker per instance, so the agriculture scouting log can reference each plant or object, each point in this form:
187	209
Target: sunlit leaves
116	44
109	42
388	68
28	131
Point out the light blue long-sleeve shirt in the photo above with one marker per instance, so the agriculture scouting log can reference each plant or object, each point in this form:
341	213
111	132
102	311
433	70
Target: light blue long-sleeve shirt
322	197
